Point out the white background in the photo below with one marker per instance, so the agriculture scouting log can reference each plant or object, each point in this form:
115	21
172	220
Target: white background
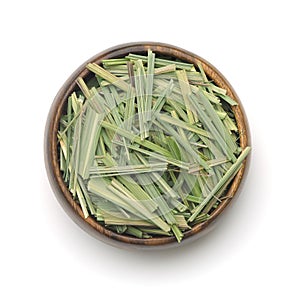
255	247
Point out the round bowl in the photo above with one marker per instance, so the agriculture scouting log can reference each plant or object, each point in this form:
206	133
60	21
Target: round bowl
58	185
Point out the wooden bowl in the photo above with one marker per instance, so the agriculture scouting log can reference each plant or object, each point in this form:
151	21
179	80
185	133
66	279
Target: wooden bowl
60	189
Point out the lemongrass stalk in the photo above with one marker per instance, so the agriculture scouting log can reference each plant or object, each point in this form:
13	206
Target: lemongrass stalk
82	201
184	125
161	62
154	232
135	138
76	154
169	159
216	121
99	187
163	185
114	61
83	87
186	92
139	193
165	69
163	207
178	234
178	205
161	99
177	107
212	129
228	99
195	199
86	196
224	181
98	70
130	71
149	85
158	166
89	140
217	90
128	197
68	138
140	98
135	232
185	144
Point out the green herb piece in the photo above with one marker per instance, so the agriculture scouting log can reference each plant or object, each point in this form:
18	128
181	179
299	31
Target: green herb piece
168	158
109	171
130	70
161	62
155	232
128	197
82	201
129	110
165	69
149	84
75	154
135	232
134	138
212	129
139	193
83	87
89	139
140	97
228	99
223	182
183	125
178	234
216	120
98	70
194	199
113	61
185	144
186	92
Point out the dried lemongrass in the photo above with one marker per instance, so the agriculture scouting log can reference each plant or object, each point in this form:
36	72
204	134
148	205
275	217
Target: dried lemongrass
148	146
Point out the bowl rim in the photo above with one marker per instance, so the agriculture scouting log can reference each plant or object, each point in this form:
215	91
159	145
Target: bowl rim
61	191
